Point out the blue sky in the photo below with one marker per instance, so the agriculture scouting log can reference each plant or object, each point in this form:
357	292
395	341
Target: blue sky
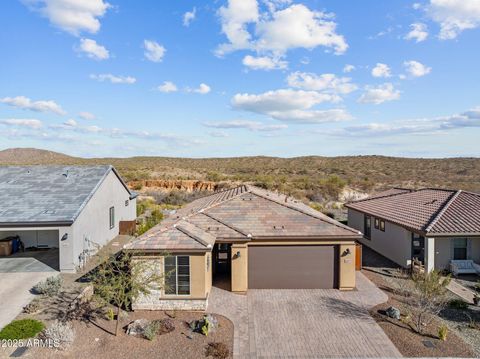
241	77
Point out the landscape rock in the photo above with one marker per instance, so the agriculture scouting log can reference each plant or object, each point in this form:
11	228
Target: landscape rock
393	312
137	327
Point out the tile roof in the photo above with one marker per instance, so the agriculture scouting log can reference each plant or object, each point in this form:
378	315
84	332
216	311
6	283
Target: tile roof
429	210
47	194
242	213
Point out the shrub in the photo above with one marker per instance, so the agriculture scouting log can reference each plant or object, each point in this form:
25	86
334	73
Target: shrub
22	329
61	333
442	332
110	314
160	327
49	287
458	304
217	350
205	326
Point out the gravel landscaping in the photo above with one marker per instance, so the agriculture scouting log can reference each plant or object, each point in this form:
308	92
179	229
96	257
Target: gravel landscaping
95	340
462	340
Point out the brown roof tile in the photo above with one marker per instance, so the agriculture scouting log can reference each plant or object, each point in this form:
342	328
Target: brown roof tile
244	213
429	210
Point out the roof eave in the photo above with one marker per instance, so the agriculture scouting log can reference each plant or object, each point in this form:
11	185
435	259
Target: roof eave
36	224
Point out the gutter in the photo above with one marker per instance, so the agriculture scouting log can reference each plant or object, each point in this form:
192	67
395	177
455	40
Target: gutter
36	224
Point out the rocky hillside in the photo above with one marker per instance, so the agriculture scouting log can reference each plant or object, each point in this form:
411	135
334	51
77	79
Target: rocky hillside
313	178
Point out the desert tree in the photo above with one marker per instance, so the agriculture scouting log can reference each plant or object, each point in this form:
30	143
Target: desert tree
123	277
424	296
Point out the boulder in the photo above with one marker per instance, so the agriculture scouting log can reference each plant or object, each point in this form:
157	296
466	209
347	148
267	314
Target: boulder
137	327
393	312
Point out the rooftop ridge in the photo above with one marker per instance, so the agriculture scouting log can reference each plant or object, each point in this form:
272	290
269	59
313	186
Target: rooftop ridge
385	196
442	211
321	218
186	231
225	224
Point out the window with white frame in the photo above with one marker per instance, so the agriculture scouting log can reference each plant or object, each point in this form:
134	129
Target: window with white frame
177	275
112	217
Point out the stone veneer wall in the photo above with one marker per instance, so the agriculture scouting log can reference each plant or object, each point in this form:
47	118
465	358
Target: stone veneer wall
154	302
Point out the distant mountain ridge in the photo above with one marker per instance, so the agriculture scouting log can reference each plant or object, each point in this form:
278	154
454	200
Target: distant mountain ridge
33	156
301	176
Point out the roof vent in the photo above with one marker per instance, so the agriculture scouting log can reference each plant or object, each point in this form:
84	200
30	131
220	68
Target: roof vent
49	211
65	174
279	227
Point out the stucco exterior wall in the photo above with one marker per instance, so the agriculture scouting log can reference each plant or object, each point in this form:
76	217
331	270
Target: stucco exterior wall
91	229
395	243
444	254
239	279
200	286
346	280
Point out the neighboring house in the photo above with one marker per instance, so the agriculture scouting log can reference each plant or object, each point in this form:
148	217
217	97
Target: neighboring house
245	238
74	208
432	225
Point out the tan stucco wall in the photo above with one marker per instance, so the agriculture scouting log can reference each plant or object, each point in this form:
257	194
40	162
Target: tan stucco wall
395	243
239	280
346	280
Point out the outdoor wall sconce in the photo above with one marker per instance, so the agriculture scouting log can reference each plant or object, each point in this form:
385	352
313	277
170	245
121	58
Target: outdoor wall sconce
237	255
64	237
346	252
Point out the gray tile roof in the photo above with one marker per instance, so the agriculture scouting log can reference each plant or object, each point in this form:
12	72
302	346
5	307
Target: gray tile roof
244	213
429	211
47	194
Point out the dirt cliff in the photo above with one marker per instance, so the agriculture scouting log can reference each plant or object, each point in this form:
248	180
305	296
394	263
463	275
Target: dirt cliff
169	185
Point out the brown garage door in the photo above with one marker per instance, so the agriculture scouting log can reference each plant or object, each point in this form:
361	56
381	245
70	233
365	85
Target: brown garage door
292	267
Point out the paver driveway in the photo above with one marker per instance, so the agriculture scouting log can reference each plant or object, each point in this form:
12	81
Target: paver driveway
305	323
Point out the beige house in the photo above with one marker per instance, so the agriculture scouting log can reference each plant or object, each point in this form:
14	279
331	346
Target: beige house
245	238
434	226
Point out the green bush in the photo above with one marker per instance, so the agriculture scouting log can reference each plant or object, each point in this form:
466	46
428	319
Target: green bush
49	287
21	329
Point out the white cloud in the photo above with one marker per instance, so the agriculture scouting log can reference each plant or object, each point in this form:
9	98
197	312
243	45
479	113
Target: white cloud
21	122
379	94
454	16
306	28
325	82
418	32
416	69
189	16
114	79
291	105
264	63
167	87
348	68
221	134
427	126
234	18
71	122
381	70
39	106
245	124
202	89
73	16
93	50
87	116
153	51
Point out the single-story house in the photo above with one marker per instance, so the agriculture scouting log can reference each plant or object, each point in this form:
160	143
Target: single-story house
245	238
76	209
431	225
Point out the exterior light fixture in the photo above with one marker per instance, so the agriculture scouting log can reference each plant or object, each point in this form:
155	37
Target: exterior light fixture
237	255
64	237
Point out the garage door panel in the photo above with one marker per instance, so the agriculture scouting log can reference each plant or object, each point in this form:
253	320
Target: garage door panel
292	267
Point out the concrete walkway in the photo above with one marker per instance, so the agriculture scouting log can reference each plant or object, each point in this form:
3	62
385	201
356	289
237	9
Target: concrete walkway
317	323
458	289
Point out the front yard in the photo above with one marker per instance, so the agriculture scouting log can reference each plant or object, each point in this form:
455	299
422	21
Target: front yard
461	320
